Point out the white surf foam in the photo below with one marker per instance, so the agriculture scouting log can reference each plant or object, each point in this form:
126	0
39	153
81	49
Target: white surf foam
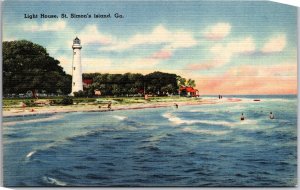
202	131
30	154
52	118
173	119
119	117
248	122
202	110
278	100
223	123
178	121
54	181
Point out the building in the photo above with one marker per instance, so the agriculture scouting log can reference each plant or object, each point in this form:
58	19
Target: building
87	83
188	91
97	92
76	67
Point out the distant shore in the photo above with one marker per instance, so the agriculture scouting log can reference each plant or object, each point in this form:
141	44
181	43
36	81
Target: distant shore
102	108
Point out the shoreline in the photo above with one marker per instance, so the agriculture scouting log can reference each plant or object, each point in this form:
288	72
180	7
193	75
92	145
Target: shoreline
95	108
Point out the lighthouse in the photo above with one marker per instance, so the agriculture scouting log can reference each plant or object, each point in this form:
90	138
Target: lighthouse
76	67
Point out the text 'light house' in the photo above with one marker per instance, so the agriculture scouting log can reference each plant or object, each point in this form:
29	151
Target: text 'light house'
76	67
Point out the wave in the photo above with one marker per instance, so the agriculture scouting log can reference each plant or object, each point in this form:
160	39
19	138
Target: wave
237	107
202	110
54	117
174	119
78	137
119	117
202	131
30	154
178	121
219	109
248	122
279	100
53	181
223	123
152	148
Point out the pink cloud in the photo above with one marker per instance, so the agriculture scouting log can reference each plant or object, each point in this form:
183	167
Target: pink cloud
163	54
202	65
283	69
205	65
251	80
247	85
199	67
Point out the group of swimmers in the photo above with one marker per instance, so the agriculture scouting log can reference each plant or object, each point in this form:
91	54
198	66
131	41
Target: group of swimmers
271	116
242	116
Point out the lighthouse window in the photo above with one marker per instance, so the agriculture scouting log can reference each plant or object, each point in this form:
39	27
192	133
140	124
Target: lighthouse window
73	83
74	53
74	68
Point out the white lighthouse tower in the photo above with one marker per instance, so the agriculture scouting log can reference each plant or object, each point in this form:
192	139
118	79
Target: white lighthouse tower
76	67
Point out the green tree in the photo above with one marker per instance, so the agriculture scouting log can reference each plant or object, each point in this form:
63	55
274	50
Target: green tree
157	83
28	66
181	81
129	84
190	83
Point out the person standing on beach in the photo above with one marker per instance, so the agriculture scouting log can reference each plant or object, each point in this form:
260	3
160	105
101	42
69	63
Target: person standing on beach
23	105
176	105
109	106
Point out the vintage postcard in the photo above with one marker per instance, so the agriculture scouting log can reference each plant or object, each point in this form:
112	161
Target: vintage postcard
149	94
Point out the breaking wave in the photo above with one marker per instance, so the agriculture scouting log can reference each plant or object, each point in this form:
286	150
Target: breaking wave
30	154
53	181
178	121
119	117
202	131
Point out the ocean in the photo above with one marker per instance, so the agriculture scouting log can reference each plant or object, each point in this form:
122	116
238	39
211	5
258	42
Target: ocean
192	146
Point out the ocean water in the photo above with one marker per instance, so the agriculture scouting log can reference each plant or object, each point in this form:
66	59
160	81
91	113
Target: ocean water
201	145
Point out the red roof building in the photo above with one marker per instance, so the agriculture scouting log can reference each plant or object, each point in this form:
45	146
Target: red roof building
87	82
189	91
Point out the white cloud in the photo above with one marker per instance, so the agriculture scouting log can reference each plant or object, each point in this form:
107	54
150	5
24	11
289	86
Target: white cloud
89	65
66	63
9	38
218	31
275	44
242	46
160	35
45	27
139	63
90	34
92	65
224	52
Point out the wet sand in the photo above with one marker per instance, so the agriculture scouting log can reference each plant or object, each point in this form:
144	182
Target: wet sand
95	108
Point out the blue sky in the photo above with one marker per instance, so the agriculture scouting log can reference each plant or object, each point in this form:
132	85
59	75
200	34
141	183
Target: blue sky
226	46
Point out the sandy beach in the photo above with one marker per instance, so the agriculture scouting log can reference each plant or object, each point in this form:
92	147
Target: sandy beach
101	108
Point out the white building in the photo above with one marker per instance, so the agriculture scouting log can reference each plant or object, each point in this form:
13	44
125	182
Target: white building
76	67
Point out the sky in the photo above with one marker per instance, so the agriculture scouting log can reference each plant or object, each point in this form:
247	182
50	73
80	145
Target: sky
227	47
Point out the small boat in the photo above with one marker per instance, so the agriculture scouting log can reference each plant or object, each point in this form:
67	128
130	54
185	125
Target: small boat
256	100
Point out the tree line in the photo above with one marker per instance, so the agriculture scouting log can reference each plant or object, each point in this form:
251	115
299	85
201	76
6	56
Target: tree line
28	67
130	84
